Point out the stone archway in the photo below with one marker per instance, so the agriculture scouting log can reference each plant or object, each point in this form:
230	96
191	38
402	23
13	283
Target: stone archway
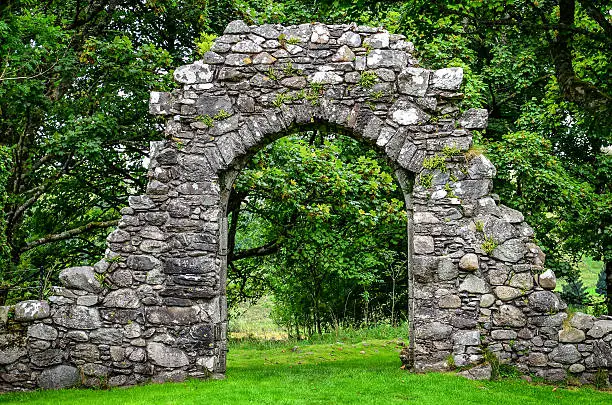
155	307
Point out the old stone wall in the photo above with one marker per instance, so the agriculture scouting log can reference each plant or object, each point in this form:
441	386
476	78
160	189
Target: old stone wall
154	309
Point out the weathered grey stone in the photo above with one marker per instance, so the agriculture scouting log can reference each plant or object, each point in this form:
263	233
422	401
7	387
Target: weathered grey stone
474	118
350	38
571	335
237	27
172	315
166	356
197	72
547	280
481	168
325	78
509	315
77	317
81	278
512	251
506	293
343	54
487	300
213	105
467	338
582	321
565	354
423	244
381	58
413	81
544	301
449	301
246	47
264	58
469	262
86	352
267	31
434	331
474	284
447	78
503	334
123	298
511	215
481	372
600	329
42	331
59	377
4	313
320	34
537	359
31	310
106	336
522	281
11	354
447	270
576	368
142	262
95	370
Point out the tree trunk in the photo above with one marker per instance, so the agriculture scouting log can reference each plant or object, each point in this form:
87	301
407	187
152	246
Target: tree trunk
609	285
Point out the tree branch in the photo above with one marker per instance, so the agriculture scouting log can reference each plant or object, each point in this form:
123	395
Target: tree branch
598	16
265	250
68	234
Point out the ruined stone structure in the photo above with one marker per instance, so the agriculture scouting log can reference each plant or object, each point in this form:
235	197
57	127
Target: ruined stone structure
155	308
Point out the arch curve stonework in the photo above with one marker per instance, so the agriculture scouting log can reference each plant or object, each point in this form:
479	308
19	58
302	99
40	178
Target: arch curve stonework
155	307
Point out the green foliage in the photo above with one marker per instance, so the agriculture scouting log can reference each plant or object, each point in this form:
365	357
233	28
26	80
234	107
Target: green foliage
327	206
479	226
293	41
204	43
601	287
206	120
271	73
451	151
221	115
289	70
280	99
436	162
425	180
367	79
489	245
574	292
492	359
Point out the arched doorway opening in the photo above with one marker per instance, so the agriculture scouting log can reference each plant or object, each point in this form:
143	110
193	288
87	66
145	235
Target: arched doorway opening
319	220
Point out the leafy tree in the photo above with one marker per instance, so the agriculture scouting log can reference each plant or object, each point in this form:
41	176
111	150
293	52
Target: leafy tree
318	224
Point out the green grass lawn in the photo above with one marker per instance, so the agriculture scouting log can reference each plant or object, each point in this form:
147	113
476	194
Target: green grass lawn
321	373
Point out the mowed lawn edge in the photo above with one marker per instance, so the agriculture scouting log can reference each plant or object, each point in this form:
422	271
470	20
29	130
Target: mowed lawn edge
323	373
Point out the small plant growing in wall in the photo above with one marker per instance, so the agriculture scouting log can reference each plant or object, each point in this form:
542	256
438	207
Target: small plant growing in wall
436	162
426	180
293	41
450	151
489	245
368	48
479	226
221	115
271	74
367	79
206	120
289	70
281	98
376	95
450	193
102	279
